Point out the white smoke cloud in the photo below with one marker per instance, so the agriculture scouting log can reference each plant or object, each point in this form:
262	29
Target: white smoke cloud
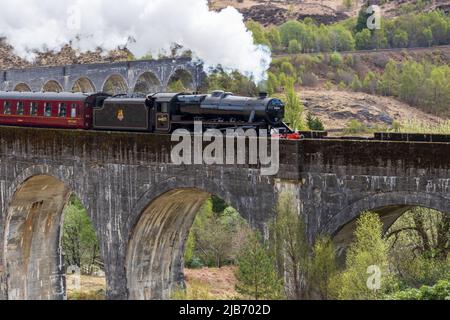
214	37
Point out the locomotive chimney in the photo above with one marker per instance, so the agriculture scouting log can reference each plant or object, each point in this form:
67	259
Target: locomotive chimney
263	95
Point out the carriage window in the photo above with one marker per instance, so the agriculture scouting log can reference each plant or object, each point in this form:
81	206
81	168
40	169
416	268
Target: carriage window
33	109
48	109
7	109
20	109
62	110
73	110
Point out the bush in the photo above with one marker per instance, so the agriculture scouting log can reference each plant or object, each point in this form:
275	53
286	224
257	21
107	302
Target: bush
354	127
336	59
440	291
309	79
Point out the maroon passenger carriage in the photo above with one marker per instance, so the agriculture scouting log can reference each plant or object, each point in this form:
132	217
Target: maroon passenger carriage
49	110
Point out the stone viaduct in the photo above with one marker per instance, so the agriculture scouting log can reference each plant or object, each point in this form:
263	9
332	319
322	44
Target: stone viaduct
142	206
120	77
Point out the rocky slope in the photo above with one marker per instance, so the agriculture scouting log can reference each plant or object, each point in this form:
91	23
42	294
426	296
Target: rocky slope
336	108
276	12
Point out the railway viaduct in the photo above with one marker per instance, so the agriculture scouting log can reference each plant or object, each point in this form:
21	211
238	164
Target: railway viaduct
142	206
118	77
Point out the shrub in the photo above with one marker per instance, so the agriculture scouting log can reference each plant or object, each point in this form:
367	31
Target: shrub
440	291
309	79
336	59
354	127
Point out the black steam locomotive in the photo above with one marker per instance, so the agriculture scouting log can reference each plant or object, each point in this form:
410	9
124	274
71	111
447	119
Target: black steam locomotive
165	112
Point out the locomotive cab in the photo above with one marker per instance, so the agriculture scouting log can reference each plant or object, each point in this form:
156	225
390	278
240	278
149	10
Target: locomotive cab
161	107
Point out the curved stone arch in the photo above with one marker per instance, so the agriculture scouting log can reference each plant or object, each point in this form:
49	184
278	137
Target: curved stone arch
52	85
390	206
22	87
180	73
83	84
32	233
119	84
147	82
160	227
165	186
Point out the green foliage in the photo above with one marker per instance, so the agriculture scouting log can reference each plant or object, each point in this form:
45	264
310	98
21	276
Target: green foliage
290	246
294	47
274	37
336	59
428	232
361	22
294	108
314	123
368	249
363	39
409	30
287	68
234	82
421	127
259	34
440	291
355	127
176	86
323	268
79	241
216	236
256	275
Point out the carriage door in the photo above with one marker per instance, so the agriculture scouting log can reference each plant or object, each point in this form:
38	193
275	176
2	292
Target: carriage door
162	117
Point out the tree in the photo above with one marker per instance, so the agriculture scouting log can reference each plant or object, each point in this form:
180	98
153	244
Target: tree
274	37
363	39
294	47
294	108
419	244
214	228
79	240
323	267
314	123
368	249
361	22
438	89
390	80
400	39
259	35
256	276
411	82
290	246
428	35
176	86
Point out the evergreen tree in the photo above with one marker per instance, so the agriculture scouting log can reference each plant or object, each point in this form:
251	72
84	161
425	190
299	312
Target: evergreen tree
256	276
294	108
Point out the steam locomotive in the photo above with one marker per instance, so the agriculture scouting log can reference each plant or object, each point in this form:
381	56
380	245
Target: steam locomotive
157	113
